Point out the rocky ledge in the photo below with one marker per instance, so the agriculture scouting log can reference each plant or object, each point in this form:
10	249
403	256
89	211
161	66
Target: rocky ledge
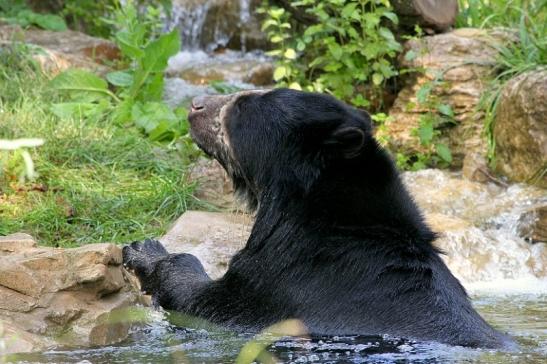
70	297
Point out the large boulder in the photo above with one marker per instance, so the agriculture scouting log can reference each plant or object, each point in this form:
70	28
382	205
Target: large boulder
463	61
520	129
52	296
213	237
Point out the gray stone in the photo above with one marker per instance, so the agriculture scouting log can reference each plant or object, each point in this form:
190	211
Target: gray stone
213	237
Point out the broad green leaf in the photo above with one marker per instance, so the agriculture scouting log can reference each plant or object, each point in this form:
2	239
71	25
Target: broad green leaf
276	39
386	33
377	78
418	165
162	131
151	114
391	16
120	78
290	54
279	73
268	23
423	93
81	84
444	152
446	110
410	55
353	33
91	110
67	110
295	86
157	53
360	101
155	58
336	51
425	133
276	13
348	10
122	112
128	45
314	29
152	89
50	22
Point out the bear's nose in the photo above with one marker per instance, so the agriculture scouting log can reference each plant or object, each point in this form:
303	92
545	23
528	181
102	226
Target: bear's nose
198	103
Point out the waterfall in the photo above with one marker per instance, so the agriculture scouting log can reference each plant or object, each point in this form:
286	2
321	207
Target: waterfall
189	17
212	24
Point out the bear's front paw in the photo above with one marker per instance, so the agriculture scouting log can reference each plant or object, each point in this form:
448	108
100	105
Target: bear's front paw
142	257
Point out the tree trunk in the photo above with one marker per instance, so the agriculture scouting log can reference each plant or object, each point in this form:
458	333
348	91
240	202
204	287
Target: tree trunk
436	14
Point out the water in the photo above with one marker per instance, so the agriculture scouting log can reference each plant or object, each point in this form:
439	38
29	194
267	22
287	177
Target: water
524	316
193	73
208	29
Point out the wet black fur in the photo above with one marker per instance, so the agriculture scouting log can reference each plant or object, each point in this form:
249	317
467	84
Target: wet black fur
338	242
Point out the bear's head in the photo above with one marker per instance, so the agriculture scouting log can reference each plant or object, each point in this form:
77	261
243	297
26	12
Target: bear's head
281	137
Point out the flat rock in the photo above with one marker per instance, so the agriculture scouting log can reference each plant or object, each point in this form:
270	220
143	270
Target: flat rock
53	296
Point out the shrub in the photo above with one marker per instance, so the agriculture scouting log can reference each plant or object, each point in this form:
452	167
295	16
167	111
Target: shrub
347	52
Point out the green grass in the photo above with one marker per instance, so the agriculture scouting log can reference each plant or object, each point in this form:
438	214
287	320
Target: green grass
96	182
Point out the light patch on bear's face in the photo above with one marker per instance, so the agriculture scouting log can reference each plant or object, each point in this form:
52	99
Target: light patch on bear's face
209	124
209	129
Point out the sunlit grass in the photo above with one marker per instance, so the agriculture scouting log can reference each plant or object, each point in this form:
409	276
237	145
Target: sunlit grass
96	181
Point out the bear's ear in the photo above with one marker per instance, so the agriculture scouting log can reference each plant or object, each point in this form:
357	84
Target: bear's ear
346	141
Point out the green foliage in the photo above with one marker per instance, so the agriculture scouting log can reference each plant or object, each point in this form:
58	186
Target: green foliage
526	53
17	12
492	13
95	181
348	52
138	90
437	116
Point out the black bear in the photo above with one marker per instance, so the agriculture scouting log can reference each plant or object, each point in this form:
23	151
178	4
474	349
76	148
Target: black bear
338	242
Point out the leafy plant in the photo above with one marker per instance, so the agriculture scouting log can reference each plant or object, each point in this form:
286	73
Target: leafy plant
17	12
137	91
492	13
348	52
437	115
95	181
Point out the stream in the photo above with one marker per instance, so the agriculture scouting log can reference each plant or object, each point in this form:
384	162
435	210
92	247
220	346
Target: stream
523	316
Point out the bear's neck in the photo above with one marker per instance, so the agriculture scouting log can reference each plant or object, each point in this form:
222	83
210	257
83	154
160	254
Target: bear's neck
362	196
